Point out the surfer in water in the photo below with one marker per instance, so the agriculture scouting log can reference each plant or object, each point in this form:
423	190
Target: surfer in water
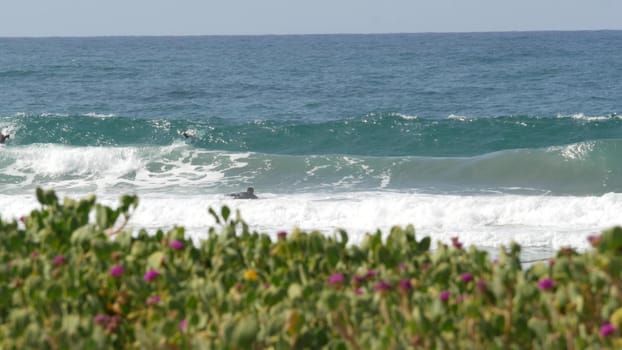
187	134
249	194
4	137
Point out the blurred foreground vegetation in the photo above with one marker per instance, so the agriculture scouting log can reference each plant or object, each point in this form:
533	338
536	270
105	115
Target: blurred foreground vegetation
71	277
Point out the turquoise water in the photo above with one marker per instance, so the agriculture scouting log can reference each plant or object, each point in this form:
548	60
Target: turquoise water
377	125
560	155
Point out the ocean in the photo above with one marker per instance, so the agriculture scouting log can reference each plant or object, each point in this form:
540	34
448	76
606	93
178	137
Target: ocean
492	137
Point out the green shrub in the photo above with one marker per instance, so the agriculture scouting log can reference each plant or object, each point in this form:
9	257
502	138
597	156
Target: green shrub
68	282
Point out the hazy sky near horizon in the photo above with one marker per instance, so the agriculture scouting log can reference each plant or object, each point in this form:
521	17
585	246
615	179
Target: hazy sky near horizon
205	17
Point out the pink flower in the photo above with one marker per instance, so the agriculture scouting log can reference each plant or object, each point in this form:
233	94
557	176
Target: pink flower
456	243
371	274
607	329
151	275
466	277
358	280
183	325
59	260
444	296
154	299
113	323
405	285
110	323
335	279
177	245
546	284
116	271
382	286
358	291
594	240
101	319
281	234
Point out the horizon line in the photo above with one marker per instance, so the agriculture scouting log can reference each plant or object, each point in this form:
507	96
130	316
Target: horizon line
296	34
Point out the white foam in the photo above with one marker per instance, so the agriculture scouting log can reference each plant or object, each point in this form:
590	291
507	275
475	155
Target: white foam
54	160
459	118
312	172
536	222
107	168
385	178
595	118
407	117
100	115
9	130
575	151
48	114
161	124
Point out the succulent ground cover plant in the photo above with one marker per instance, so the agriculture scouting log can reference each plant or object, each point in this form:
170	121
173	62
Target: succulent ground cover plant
71	277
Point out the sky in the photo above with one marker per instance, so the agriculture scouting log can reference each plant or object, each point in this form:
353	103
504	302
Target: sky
25	18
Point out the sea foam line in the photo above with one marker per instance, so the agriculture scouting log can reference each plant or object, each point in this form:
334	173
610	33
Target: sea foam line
534	221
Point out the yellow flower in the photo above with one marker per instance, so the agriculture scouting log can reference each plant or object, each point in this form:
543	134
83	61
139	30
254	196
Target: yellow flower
251	275
293	323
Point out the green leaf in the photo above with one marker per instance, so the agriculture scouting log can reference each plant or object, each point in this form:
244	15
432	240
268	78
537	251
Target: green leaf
213	213
54	292
410	233
225	211
83	236
19	318
294	291
71	324
332	255
34	336
245	332
424	245
191	302
46	197
344	237
127	202
396	237
616	318
539	326
103	216
155	260
611	240
387	257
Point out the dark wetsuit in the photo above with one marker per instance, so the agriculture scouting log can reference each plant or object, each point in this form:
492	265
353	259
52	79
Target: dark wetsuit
249	194
4	137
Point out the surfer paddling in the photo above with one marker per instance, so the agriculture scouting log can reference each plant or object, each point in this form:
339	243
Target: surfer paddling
249	194
4	137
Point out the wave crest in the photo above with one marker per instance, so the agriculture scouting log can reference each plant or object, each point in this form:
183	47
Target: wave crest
576	169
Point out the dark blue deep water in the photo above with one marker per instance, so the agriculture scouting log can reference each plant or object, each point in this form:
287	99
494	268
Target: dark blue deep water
315	78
